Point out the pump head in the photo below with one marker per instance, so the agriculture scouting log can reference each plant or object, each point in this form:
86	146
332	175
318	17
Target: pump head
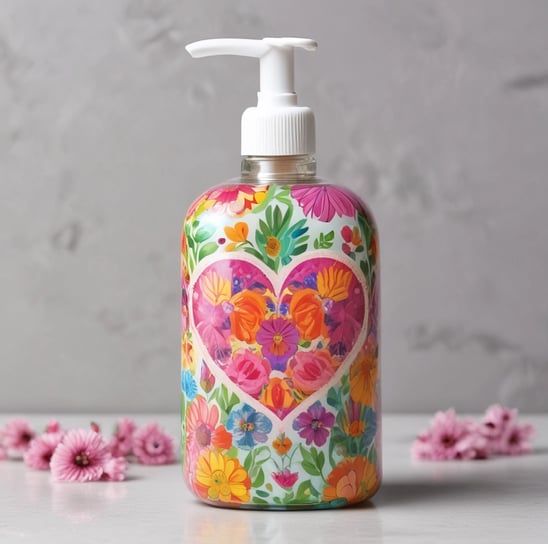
277	125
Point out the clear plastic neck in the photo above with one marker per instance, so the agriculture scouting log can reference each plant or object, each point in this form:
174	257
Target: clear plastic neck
287	169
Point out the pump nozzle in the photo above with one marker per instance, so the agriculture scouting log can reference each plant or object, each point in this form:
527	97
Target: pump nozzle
277	126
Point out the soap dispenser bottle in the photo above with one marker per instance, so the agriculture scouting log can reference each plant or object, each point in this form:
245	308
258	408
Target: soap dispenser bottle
280	328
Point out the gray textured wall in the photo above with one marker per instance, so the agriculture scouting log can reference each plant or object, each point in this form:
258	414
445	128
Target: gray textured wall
436	112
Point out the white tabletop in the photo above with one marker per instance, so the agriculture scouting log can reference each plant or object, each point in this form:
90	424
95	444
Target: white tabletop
499	500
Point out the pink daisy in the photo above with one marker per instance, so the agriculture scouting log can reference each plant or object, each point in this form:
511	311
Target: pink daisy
115	469
17	435
152	446
53	426
516	440
121	443
41	449
80	457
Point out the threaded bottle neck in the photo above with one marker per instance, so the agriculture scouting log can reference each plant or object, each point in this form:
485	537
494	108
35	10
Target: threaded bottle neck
285	168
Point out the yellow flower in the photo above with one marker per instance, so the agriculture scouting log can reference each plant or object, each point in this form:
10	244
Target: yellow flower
282	444
334	283
237	234
222	478
215	288
273	246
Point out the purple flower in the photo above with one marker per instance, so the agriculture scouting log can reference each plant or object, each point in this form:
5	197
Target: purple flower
324	201
278	338
314	424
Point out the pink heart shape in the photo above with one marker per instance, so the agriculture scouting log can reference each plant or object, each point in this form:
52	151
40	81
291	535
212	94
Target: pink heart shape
279	338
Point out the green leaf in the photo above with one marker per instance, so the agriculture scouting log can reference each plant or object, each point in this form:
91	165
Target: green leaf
311	469
207	249
258	478
330	236
299	250
302	490
321	460
262	454
277	220
248	460
316	244
203	233
262	493
257	500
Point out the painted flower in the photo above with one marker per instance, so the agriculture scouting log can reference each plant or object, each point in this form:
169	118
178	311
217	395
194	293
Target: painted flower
207	379
236	200
187	352
308	315
311	370
17	435
278	396
249	371
345	320
248	427
203	429
80	457
334	283
220	478
353	479
248	311
152	446
278	338
41	449
273	246
188	384
364	374
282	444
215	288
351	235
314	424
359	421
324	201
285	478
121	443
115	469
237	234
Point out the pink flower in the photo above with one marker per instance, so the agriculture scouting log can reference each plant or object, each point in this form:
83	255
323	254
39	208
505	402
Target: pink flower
516	440
17	435
496	421
80	457
115	469
449	438
3	452
53	426
311	370
249	371
324	201
121	443
278	338
152	446
285	478
41	449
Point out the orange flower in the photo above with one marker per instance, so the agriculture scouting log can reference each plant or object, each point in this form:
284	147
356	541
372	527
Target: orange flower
364	374
334	283
306	310
221	478
273	246
353	479
236	234
282	444
215	288
187	353
356	239
221	438
277	395
247	316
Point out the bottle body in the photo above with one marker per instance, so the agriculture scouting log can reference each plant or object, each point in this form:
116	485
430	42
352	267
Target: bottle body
280	381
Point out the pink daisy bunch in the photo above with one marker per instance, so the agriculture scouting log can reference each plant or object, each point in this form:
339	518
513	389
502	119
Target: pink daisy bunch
153	446
121	442
41	449
450	437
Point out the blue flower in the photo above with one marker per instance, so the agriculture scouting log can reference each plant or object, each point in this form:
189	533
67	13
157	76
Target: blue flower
248	427
188	384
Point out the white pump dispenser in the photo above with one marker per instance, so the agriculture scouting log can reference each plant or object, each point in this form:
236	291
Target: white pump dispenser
277	125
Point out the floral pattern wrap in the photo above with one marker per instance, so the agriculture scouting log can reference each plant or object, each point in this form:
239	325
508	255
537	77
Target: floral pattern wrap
280	381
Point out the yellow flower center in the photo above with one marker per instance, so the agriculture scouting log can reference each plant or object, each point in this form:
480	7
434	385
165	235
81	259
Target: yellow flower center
247	427
277	338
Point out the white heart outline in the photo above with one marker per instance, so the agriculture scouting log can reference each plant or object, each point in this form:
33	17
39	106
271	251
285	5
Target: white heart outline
277	282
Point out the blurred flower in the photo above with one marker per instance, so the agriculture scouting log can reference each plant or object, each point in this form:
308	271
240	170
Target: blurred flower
153	446
516	440
41	449
115	469
17	435
53	426
81	456
121	443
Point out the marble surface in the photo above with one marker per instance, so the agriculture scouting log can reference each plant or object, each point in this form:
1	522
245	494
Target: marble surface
501	500
435	112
